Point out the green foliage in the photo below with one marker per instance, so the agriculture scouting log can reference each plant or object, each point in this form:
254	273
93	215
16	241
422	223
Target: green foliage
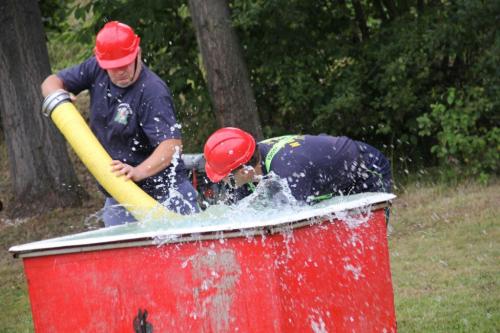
312	72
53	15
464	110
461	123
293	58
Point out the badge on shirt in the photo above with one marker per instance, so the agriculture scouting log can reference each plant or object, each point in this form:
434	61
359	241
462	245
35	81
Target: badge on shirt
123	111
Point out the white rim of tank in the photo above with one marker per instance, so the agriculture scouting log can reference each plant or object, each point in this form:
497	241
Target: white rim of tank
61	245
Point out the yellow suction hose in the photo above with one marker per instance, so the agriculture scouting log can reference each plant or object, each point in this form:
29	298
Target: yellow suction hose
68	120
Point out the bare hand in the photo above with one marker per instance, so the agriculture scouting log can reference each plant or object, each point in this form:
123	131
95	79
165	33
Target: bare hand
122	169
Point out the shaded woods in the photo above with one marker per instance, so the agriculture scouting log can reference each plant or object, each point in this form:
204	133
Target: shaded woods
418	79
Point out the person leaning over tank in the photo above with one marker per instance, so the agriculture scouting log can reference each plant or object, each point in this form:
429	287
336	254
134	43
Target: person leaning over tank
132	116
315	167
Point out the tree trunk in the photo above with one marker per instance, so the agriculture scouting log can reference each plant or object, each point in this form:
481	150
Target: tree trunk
42	174
360	18
227	75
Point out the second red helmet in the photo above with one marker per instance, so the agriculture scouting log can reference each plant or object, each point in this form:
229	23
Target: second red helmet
225	150
116	45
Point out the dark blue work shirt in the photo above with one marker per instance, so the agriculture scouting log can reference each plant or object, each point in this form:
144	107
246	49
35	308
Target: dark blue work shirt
314	166
129	122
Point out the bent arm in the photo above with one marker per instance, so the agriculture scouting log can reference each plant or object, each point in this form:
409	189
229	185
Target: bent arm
51	84
160	159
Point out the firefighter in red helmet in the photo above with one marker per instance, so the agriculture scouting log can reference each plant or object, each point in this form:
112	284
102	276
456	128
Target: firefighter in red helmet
132	115
226	150
315	167
116	45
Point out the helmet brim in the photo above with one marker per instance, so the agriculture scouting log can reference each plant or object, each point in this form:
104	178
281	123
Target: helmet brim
117	63
212	175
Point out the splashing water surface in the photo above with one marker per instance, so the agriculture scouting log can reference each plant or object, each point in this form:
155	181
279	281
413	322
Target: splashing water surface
272	204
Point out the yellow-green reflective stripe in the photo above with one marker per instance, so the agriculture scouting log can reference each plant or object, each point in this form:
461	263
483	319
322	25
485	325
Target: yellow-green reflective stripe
322	197
251	187
276	147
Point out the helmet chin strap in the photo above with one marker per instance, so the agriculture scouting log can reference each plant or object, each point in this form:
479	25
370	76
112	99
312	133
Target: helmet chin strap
135	69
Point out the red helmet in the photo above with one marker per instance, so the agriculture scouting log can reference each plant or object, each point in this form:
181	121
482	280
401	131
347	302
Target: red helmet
225	150
116	45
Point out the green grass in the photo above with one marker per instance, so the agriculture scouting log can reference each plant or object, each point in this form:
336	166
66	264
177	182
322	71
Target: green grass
444	258
14	300
15	303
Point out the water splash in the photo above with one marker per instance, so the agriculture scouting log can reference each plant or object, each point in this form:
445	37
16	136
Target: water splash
355	217
270	208
271	193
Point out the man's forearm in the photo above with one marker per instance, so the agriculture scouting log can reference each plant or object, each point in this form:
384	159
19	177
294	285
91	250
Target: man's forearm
160	158
51	84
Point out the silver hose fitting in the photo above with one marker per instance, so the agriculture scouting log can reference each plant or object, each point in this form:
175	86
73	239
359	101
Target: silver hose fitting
53	100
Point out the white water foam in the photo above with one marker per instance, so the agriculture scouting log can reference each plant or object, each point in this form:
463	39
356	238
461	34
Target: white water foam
271	205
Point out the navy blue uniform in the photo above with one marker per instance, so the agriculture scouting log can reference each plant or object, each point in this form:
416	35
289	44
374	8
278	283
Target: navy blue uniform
131	122
318	167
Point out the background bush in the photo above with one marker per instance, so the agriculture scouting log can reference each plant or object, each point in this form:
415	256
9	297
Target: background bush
423	87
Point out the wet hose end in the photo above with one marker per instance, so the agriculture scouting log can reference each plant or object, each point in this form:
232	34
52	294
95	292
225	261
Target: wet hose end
53	100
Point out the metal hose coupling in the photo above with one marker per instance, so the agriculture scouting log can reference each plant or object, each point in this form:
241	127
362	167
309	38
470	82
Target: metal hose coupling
53	100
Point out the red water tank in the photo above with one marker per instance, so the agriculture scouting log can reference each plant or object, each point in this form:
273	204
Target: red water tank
302	276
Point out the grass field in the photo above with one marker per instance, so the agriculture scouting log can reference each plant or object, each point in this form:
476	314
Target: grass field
444	244
445	259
